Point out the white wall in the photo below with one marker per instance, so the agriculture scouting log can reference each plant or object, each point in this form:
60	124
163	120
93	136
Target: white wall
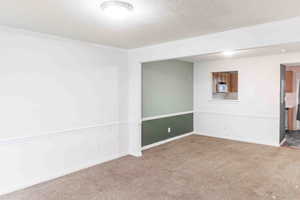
255	117
62	104
274	33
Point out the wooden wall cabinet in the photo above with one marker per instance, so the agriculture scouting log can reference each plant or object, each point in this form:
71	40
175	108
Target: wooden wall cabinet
290	118
233	82
289	81
230	78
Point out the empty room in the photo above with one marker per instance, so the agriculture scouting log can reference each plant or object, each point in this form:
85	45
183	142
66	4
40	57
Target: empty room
144	99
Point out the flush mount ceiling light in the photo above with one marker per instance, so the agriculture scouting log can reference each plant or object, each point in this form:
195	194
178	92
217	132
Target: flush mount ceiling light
283	50
116	9
229	53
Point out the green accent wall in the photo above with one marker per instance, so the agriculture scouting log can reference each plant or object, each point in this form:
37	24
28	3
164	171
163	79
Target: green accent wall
167	87
157	130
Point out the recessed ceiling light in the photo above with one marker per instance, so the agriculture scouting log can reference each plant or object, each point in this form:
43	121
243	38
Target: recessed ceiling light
229	53
283	50
116	9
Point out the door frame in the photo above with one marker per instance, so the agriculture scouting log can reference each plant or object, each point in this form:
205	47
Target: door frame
282	127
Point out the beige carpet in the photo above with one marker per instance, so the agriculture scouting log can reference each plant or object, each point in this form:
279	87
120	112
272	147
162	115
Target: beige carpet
195	167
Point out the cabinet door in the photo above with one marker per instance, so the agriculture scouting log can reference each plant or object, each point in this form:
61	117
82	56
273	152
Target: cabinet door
290	118
289	81
234	82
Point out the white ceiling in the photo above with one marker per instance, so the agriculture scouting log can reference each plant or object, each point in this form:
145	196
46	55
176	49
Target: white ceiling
152	22
263	51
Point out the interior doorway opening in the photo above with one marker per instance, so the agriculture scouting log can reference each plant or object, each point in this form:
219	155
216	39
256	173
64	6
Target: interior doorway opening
289	105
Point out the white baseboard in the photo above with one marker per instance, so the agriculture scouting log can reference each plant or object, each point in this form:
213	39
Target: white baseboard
136	154
237	139
282	142
166	141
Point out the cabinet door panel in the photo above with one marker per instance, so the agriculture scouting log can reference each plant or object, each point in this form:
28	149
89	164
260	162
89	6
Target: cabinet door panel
289	81
234	82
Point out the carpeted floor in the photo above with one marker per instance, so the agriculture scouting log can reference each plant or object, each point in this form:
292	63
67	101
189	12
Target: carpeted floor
192	168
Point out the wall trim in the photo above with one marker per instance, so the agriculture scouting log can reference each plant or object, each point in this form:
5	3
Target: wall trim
55	133
282	142
236	139
167	115
166	141
240	115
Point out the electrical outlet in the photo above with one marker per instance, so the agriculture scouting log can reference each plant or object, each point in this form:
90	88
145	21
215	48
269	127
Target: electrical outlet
169	130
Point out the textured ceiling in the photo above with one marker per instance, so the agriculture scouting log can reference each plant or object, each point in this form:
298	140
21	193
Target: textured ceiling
152	22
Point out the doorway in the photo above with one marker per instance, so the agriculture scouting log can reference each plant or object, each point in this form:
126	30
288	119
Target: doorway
289	109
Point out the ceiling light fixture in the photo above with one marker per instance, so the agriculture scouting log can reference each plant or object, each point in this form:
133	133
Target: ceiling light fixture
283	50
229	53
116	9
